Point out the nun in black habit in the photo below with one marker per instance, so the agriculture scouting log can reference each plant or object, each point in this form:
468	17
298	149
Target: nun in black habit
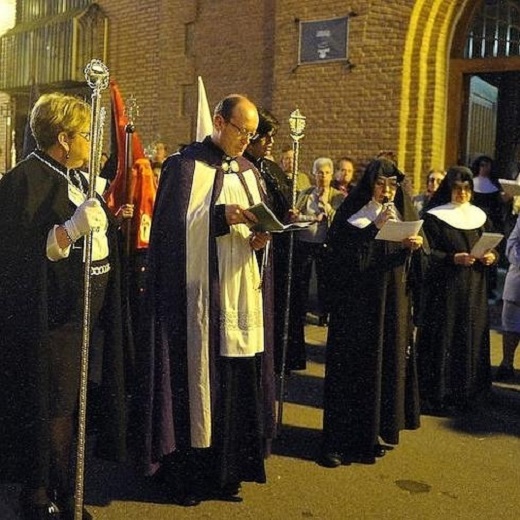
453	341
370	388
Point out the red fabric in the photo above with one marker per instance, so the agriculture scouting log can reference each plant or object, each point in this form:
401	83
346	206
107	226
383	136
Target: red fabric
141	186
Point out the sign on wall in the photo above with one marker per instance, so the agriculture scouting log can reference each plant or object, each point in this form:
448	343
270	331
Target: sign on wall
323	40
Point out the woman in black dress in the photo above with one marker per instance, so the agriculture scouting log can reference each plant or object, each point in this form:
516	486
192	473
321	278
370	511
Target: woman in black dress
489	196
370	385
453	340
44	217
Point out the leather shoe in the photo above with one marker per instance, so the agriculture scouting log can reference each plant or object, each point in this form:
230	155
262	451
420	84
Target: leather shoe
323	321
186	499
330	460
227	493
379	451
227	497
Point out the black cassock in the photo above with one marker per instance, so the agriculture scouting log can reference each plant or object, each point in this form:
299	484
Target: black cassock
370	381
453	342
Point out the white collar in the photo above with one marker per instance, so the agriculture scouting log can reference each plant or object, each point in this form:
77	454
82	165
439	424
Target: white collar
483	185
366	215
460	216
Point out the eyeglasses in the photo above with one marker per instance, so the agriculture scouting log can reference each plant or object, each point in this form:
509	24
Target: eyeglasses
85	135
389	183
250	136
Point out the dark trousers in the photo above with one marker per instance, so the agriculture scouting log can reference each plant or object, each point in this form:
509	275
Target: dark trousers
307	254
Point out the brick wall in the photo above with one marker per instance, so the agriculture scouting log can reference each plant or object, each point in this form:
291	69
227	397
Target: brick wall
157	52
352	112
158	48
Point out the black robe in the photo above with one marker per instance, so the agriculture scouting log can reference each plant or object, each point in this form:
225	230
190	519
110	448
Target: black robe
453	341
34	293
370	377
278	189
240	389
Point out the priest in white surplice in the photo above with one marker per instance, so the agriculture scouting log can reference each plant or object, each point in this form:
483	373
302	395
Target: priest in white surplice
207	397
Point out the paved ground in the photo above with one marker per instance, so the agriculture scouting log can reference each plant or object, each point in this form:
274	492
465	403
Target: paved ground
460	468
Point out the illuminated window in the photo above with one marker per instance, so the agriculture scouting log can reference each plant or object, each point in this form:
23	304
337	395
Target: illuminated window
495	30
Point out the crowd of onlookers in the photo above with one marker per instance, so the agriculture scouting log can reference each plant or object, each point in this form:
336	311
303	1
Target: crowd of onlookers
408	322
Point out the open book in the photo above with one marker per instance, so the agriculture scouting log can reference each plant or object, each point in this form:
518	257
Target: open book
267	221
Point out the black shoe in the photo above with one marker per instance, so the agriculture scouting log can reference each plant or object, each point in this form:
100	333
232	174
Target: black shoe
227	497
323	321
330	460
186	496
186	499
67	507
32	511
227	493
379	451
504	373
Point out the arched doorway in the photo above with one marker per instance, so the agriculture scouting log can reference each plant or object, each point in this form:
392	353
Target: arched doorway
424	92
483	93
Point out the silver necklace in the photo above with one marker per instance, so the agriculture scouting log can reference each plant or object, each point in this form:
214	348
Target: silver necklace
67	177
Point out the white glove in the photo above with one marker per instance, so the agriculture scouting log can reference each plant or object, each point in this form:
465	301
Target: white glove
87	217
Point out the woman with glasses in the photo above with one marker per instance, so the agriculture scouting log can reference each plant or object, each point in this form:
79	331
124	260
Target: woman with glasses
433	181
44	216
370	391
453	339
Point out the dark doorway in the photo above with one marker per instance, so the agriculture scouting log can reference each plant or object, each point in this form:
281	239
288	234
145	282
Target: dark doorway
493	120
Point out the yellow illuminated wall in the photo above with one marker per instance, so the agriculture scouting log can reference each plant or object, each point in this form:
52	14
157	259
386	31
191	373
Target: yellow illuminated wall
423	115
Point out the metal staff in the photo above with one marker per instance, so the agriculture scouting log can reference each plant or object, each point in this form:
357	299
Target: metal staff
96	74
297	126
130	108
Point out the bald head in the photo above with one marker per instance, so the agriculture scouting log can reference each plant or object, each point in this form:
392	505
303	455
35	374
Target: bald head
235	121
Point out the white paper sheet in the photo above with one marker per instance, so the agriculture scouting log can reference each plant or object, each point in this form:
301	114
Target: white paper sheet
486	242
510	187
396	231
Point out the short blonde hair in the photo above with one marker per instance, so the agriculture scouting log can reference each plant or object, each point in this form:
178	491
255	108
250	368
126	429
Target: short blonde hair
55	113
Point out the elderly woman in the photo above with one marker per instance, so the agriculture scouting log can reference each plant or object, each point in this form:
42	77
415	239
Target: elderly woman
370	390
44	217
317	204
453	340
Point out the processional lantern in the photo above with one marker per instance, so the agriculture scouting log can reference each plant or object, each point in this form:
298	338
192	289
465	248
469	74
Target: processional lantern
297	126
